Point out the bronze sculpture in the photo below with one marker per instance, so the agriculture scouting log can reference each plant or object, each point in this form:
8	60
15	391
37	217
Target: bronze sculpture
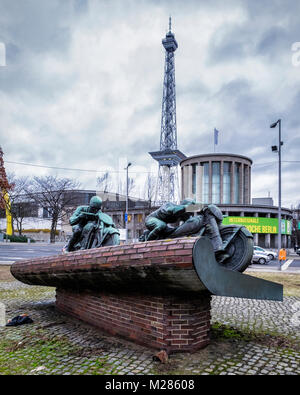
91	228
232	244
158	222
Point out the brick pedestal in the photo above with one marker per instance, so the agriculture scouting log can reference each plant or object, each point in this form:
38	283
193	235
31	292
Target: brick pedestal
170	323
149	293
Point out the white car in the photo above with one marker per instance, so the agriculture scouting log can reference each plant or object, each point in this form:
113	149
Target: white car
260	257
271	254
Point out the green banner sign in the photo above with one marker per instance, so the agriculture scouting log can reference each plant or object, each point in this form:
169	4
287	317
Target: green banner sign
260	224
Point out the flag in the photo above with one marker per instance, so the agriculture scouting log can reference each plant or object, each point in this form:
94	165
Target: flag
216	136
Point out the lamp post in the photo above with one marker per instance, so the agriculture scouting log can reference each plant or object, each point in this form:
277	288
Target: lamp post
126	212
280	143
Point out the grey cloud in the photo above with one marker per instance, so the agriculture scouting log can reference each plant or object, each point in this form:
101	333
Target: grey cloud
197	88
35	26
81	6
229	43
273	42
269	30
13	53
31	30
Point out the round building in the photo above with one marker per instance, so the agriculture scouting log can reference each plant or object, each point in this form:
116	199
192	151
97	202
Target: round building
217	178
225	180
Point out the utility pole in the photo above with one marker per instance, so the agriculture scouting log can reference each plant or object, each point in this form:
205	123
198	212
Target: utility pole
126	211
280	143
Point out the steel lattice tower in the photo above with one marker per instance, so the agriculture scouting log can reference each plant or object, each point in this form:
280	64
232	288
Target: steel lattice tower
168	156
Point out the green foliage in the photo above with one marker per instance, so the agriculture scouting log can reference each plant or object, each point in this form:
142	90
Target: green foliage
16	239
229	332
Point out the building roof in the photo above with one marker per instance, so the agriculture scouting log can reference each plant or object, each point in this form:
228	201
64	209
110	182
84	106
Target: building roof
217	155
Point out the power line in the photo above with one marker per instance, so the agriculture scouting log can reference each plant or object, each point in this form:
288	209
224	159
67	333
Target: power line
71	169
263	164
121	171
275	162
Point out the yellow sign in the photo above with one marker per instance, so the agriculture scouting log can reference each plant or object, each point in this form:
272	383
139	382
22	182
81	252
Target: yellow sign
260	224
9	229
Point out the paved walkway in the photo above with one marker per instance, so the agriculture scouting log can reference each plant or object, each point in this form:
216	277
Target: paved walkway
56	344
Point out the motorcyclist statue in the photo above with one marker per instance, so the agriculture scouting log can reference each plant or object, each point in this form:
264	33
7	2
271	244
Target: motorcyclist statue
158	222
83	222
209	219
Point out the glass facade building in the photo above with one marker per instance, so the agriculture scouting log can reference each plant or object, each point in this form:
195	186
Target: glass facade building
215	189
217	178
225	180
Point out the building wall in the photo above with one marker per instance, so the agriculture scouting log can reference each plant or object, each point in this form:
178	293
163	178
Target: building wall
217	178
35	228
267	240
225	180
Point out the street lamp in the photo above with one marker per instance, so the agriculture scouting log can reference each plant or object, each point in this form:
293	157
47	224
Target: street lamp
275	149
126	212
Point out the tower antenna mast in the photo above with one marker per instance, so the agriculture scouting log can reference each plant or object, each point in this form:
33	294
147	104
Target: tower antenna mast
168	157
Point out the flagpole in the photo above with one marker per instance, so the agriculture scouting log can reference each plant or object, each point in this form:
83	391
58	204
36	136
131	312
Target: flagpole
214	139
216	136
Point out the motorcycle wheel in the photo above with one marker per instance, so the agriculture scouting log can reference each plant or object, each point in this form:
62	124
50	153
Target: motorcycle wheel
240	248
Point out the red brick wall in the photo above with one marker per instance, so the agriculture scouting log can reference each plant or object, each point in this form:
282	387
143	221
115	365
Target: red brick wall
150	292
168	323
172	261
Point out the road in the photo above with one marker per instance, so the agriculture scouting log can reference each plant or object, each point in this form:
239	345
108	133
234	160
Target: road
293	262
11	252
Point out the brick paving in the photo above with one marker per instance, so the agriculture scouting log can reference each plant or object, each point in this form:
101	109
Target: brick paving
57	344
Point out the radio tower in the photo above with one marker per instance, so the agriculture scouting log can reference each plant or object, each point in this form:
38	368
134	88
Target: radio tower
168	157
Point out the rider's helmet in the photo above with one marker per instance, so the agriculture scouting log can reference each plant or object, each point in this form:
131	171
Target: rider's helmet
95	203
187	201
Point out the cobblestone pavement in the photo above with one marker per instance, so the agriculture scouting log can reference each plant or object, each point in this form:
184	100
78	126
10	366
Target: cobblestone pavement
56	344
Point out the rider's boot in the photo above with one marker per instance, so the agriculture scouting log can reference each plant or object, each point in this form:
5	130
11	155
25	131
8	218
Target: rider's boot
217	242
74	239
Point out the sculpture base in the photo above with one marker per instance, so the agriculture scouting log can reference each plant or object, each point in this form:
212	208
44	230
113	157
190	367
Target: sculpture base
160	322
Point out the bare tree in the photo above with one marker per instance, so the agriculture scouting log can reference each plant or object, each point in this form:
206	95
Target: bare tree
122	186
105	182
20	206
55	196
17	204
150	185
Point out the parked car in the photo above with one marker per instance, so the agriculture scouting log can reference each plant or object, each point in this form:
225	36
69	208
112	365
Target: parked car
271	254
260	257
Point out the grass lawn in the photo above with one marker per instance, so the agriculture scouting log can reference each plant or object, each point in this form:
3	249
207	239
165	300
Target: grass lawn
5	274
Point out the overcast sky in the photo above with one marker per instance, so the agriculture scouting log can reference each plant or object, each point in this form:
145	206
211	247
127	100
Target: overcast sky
82	85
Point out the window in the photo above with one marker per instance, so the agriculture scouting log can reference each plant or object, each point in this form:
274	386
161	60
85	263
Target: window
194	181
245	183
226	182
205	182
129	217
216	190
47	212
237	183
